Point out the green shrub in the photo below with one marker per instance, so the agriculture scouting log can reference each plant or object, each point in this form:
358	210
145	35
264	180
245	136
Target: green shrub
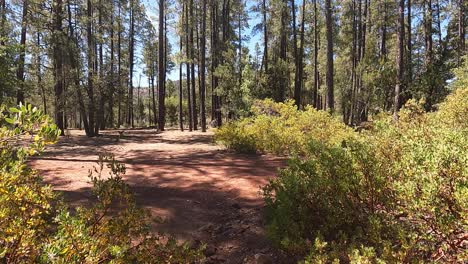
282	129
336	192
395	193
36	227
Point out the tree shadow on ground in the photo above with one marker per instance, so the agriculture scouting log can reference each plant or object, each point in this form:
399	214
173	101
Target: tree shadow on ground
202	193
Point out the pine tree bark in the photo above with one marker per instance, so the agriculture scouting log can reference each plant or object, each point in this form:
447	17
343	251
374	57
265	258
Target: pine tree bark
283	55
409	43
428	31
187	55
72	54
161	68
300	61
90	55
39	74
22	54
102	92
119	66
202	68
131	52
111	83
58	63
461	28
329	78
192	68
3	12
265	36
181	91
399	58
297	88
316	49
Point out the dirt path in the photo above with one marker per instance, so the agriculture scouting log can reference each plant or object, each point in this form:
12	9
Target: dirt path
203	192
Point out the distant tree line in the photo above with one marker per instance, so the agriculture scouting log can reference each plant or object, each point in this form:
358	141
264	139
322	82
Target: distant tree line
78	58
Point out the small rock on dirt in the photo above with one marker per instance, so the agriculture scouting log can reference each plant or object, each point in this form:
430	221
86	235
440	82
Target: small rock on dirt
236	206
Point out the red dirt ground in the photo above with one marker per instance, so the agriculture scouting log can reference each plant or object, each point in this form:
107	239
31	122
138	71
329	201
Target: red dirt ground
203	192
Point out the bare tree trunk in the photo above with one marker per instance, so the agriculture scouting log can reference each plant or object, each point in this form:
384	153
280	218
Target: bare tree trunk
428	31
400	58
72	54
187	53
283	55
161	68
102	93
181	92
2	21
119	67
202	68
383	43
192	71
131	47
22	54
111	82
300	61
153	73
461	28
58	64
90	90
410	44
265	36
39	75
329	24
297	88
316	49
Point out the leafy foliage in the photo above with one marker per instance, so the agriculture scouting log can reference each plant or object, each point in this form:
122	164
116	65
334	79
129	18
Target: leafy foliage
280	128
396	193
37	227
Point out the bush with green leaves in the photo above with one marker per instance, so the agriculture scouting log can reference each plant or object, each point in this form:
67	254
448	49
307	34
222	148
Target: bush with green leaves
395	193
36	227
280	128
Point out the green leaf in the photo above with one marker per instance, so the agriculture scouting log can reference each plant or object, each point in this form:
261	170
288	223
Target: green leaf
14	110
9	120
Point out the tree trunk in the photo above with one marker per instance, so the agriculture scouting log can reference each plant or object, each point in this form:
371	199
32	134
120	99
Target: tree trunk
428	31
202	69
283	53
400	60
329	24
265	36
187	53
72	54
119	67
316	49
161	68
192	71
102	93
22	54
300	61
410	44
461	28
39	75
181	92
90	90
153	94
2	22
111	82
58	64
131	52
297	88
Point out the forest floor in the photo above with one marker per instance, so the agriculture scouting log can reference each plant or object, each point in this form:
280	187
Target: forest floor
201	191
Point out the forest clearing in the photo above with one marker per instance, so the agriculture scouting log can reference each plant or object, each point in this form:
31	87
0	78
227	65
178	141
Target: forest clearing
201	191
233	131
